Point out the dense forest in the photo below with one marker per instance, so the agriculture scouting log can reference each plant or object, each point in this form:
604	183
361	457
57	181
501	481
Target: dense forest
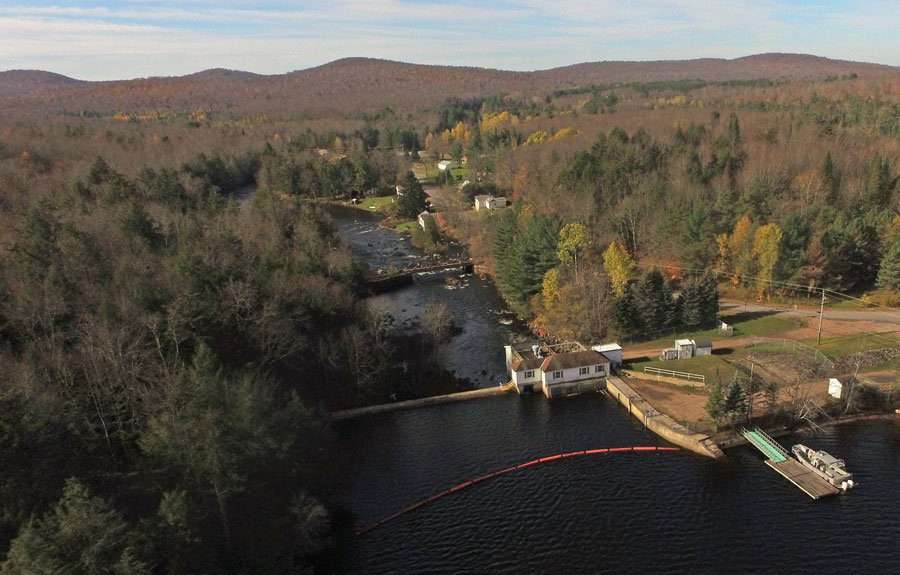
171	341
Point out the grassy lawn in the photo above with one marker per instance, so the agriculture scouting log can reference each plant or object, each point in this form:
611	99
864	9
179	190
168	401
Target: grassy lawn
710	366
406	226
377	204
745	324
837	347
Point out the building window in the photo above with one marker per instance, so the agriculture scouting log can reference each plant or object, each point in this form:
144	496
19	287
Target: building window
584	370
529	374
557	374
598	369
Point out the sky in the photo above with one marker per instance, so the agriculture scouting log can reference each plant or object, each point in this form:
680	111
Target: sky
114	39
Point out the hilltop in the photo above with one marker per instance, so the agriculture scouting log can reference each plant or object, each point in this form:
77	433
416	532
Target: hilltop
354	84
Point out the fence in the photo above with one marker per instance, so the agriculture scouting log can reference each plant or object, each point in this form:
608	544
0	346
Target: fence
821	363
679	374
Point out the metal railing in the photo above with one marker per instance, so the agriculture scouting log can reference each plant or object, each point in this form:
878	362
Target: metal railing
679	374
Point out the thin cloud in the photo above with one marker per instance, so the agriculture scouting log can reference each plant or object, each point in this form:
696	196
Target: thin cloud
158	37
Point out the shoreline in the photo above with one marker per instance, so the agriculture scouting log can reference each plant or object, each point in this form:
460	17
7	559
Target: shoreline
732	438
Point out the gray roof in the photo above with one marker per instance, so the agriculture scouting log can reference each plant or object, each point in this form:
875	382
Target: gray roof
573	359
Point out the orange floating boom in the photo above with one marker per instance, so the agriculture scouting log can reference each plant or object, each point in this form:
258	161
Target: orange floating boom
493	474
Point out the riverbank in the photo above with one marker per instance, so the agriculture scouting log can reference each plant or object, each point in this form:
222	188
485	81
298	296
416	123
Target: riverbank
731	438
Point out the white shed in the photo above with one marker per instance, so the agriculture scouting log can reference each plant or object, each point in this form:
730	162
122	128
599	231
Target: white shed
486	202
423	219
702	347
835	388
613	352
685	348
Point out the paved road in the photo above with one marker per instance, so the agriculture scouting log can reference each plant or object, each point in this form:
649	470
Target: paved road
884	315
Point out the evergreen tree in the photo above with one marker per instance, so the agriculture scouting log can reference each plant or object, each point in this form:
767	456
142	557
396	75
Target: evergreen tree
879	183
82	534
889	272
655	305
625	315
710	297
412	202
831	180
715	402
734	403
692	305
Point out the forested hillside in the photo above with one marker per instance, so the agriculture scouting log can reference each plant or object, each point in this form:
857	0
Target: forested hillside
169	341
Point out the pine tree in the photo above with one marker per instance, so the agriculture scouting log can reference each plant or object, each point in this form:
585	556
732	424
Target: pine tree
715	403
831	180
734	404
412	202
82	534
879	183
625	316
692	305
889	272
710	297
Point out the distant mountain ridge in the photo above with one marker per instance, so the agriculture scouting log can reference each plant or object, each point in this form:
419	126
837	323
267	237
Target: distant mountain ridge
357	83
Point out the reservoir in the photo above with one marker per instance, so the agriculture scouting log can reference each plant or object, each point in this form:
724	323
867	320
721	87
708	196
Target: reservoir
617	513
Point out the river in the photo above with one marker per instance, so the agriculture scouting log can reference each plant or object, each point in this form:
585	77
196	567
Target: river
617	513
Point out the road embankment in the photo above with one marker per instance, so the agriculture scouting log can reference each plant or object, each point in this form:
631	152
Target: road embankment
420	402
660	423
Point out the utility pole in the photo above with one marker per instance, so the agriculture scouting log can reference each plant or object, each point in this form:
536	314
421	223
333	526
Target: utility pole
821	313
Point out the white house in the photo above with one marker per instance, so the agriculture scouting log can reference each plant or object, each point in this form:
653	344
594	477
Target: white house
613	353
557	371
485	202
567	373
423	218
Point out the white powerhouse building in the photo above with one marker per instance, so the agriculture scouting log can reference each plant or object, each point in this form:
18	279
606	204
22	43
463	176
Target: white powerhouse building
557	370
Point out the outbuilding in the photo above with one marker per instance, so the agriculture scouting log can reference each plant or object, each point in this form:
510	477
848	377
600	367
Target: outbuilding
702	347
685	348
423	219
613	352
835	388
486	202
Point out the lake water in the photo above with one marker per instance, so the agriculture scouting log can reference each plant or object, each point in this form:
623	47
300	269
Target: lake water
617	513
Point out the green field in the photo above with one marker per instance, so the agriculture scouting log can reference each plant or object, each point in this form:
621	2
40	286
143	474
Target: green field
406	226
745	324
377	204
837	347
711	366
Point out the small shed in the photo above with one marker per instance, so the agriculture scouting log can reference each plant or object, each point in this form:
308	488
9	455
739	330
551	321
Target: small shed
726	328
486	202
423	219
613	352
685	348
702	347
835	388
668	354
445	165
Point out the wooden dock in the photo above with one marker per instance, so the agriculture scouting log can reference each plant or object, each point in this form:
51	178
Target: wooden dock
778	458
807	480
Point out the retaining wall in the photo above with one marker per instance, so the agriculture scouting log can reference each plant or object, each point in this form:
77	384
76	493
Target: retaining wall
660	423
421	402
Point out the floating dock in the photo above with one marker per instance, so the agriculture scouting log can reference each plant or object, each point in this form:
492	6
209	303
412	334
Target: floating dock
778	459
